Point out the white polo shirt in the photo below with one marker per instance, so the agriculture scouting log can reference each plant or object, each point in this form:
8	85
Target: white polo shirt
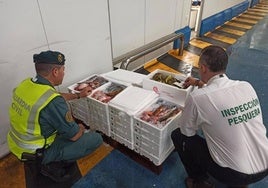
229	114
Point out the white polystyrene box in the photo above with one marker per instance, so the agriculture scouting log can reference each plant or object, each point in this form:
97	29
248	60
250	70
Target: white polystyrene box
122	109
125	76
171	93
153	139
122	140
121	125
99	111
71	88
156	160
98	115
133	99
79	107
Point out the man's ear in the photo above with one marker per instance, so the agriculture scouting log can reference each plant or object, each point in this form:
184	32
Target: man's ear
55	71
203	68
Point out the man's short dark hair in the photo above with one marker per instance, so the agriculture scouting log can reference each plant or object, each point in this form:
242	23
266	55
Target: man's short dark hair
215	57
45	69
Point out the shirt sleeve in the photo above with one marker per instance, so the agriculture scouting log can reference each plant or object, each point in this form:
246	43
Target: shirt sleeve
56	116
188	120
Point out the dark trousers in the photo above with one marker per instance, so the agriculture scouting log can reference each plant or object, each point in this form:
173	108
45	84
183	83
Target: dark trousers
194	154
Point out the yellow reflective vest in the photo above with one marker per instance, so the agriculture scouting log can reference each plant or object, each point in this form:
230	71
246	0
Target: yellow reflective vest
28	100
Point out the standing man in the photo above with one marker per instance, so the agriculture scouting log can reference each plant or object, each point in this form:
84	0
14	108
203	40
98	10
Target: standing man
234	149
41	122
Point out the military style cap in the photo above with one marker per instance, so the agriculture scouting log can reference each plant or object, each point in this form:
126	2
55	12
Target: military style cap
49	57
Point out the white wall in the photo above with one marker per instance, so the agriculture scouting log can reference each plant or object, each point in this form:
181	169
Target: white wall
19	37
136	23
160	18
79	29
127	25
183	13
212	7
163	17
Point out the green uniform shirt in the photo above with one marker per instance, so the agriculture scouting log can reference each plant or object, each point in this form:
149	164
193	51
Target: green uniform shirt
56	116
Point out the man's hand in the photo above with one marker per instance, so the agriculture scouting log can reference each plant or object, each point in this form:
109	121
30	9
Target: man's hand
79	133
190	81
85	92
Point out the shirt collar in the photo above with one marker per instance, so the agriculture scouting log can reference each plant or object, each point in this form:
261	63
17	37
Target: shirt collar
41	80
216	77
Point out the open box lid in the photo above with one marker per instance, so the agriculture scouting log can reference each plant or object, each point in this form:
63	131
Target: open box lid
132	99
125	76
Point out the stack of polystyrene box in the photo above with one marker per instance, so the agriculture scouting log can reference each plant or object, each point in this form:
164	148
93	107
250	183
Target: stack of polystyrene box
79	107
79	110
99	109
153	140
122	110
150	140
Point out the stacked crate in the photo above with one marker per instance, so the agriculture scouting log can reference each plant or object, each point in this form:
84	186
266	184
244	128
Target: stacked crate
154	141
79	107
120	118
99	114
122	110
80	110
149	140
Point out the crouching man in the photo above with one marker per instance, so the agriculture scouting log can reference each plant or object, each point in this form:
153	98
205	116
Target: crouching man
42	124
234	149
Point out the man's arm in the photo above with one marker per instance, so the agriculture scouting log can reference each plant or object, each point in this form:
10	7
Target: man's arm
79	133
70	96
191	81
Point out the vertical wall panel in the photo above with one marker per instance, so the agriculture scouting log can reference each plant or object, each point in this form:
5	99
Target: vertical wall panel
21	36
136	23
160	19
212	7
80	29
127	25
182	14
159	22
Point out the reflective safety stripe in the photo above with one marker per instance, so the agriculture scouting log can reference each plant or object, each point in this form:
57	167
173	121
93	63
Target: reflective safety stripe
23	145
24	137
35	108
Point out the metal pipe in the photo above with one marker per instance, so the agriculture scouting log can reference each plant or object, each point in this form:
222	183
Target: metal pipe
131	56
